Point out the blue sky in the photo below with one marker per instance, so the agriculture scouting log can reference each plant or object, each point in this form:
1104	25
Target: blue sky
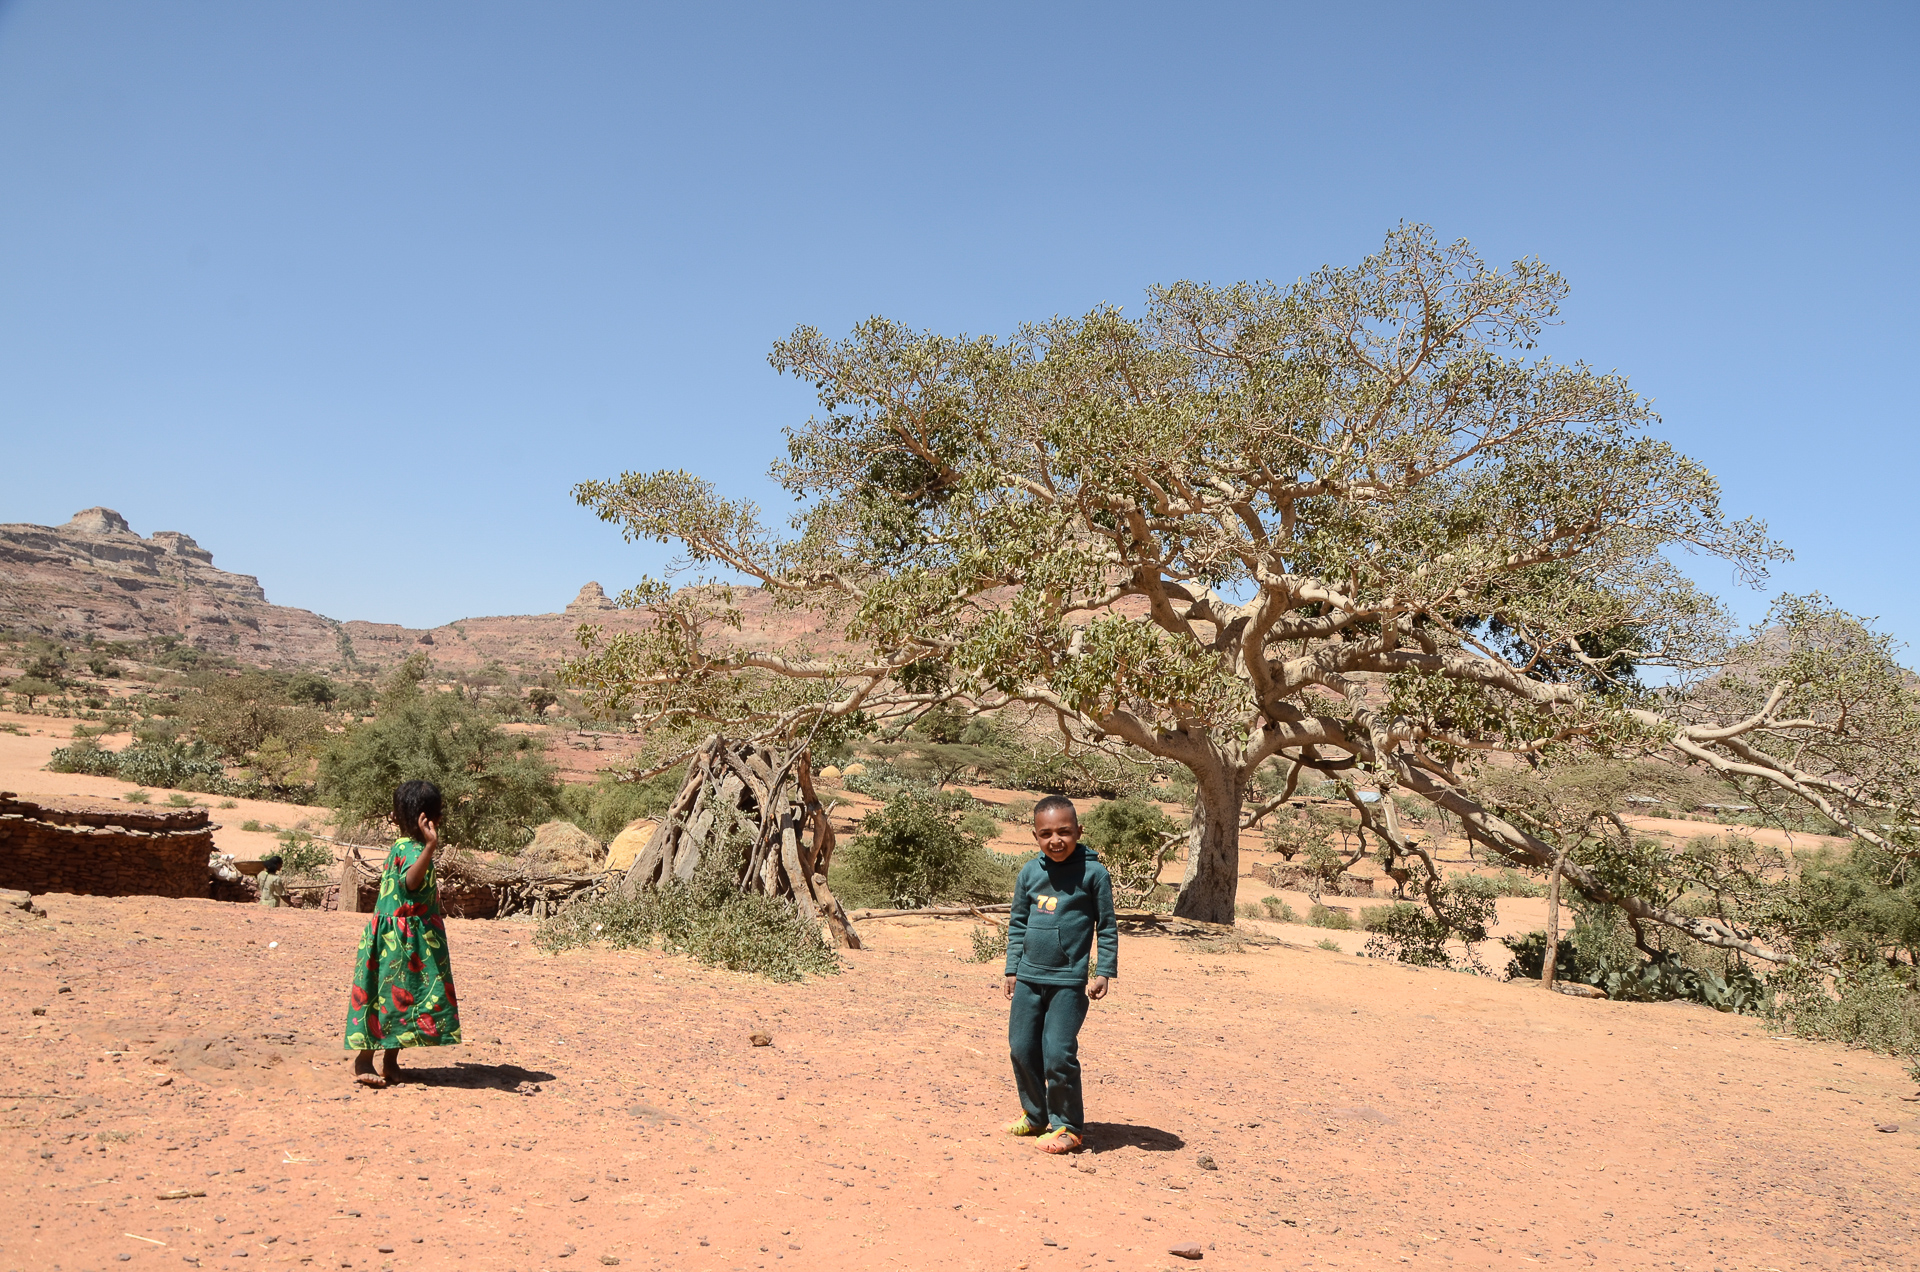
355	293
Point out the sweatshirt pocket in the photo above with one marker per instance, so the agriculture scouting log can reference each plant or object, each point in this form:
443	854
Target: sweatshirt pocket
1043	947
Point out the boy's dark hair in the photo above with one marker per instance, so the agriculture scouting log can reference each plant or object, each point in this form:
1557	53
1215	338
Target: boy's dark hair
410	800
1052	802
272	864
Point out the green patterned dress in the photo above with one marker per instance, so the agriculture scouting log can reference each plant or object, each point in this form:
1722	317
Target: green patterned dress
402	989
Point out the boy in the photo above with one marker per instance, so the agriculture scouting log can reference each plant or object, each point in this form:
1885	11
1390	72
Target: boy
1062	901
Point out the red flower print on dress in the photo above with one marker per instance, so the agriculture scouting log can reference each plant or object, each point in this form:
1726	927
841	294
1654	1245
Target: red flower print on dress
359	997
401	922
401	999
413	962
427	1027
373	1024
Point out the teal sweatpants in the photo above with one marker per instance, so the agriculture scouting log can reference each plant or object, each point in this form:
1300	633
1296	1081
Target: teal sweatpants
1043	1032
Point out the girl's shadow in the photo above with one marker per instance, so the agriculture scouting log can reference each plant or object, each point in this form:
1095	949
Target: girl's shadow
496	1077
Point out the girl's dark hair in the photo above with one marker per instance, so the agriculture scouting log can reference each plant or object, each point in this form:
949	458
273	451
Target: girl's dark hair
273	865
410	800
1051	802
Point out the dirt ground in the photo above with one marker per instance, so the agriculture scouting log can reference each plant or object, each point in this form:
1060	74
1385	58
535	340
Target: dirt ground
609	1106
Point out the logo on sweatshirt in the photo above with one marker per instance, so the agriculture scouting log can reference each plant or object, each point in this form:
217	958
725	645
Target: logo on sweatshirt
1049	904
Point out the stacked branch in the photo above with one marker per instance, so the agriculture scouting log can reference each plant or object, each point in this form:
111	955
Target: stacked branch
742	786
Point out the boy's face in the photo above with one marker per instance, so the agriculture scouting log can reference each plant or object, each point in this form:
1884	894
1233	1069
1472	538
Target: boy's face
1057	831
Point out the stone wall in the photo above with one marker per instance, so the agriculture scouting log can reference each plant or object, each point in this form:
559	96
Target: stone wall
104	852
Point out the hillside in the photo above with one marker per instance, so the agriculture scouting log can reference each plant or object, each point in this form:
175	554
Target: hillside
95	579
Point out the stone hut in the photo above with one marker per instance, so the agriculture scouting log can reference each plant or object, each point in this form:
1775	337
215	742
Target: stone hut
104	851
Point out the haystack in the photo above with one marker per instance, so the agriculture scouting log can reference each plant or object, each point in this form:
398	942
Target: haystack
560	847
628	845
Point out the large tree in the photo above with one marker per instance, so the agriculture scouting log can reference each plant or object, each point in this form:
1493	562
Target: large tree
1354	528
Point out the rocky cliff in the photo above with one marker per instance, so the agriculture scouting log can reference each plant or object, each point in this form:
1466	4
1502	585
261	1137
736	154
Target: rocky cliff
94	577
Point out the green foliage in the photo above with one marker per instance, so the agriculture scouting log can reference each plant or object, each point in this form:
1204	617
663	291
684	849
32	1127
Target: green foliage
914	852
252	824
136	797
1508	883
1631	979
1321	917
707	918
310	690
989	943
1873	1006
1328	943
497	786
169	765
1249	910
302	854
31	687
1131	837
1418	935
604	808
1277	909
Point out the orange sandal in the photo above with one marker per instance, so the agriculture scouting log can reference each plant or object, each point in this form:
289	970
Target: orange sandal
1058	1140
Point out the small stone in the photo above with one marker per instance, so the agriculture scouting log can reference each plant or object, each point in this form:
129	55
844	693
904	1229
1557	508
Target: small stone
611	1259
65	989
1887	1128
578	1197
39	1011
384	1249
1205	1162
1048	1241
760	1038
565	1251
1186	1250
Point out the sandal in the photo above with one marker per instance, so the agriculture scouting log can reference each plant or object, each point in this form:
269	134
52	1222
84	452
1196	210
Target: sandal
371	1080
1023	1125
1058	1140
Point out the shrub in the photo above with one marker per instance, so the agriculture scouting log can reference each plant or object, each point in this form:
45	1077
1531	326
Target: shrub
497	787
1418	936
251	824
1249	910
989	943
1508	883
1328	943
1278	910
1131	837
914	852
1321	917
302	854
136	797
604	808
706	918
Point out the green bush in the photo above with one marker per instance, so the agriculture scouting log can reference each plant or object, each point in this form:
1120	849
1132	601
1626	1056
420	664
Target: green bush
1130	836
497	786
1328	943
1249	910
706	918
1418	936
604	808
989	943
302	854
1508	883
252	824
915	852
1321	917
1278	910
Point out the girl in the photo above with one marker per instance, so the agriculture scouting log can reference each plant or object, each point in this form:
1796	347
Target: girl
402	990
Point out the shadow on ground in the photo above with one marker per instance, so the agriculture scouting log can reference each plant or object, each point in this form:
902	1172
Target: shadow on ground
1103	1137
498	1077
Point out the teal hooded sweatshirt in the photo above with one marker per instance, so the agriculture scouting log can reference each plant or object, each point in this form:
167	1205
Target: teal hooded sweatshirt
1059	910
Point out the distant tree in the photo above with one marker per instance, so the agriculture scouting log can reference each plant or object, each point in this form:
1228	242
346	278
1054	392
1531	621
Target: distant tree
31	687
497	786
308	689
539	698
1352	528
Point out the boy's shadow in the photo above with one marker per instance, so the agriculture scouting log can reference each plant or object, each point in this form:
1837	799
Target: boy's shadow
473	1077
1104	1137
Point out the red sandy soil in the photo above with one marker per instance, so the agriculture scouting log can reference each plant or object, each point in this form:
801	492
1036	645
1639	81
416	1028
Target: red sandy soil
609	1106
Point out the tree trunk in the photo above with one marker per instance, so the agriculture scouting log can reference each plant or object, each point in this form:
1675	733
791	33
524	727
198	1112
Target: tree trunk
1213	852
1553	920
